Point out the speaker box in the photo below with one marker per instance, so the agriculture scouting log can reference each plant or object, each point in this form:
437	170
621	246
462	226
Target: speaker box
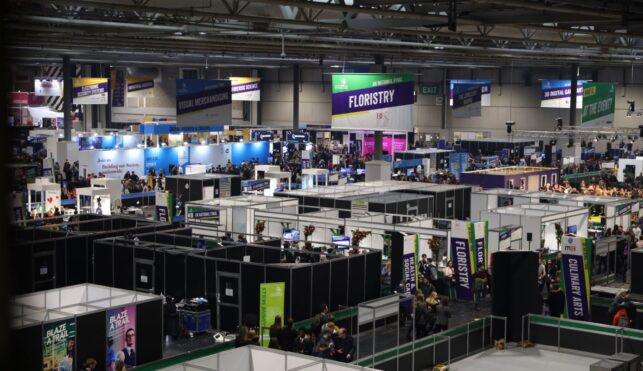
637	272
515	288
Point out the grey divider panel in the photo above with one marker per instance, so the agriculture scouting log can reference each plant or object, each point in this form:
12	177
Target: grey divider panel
280	274
103	263
338	283
175	274
356	267
251	279
149	331
301	293
26	348
373	270
124	267
196	276
321	286
211	288
91	338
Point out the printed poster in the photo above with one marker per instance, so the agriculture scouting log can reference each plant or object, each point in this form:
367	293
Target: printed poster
463	260
598	104
246	88
90	90
575	277
121	336
271	304
373	101
59	345
481	248
52	201
203	102
164	206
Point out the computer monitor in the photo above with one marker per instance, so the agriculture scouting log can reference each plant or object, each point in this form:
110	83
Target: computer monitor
409	172
572	229
291	234
361	171
342	242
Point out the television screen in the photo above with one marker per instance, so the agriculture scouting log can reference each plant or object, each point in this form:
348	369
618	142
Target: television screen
572	229
291	234
409	172
361	171
342	242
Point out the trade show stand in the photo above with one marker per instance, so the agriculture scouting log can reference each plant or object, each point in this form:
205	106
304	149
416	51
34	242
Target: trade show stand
59	253
451	201
197	187
492	199
60	329
115	187
93	200
260	170
229	276
277	180
525	178
43	196
310	177
515	146
433	157
540	223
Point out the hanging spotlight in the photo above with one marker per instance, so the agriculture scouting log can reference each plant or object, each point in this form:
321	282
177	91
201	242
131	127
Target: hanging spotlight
641	131
570	144
597	138
553	142
559	123
583	143
621	145
509	125
631	106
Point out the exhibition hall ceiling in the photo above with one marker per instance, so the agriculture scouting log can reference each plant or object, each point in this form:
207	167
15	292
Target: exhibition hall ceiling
273	33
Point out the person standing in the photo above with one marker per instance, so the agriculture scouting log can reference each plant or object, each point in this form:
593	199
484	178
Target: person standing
287	336
442	314
344	346
637	232
480	282
556	301
449	276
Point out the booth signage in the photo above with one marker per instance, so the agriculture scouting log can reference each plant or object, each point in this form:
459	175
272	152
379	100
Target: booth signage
118	92
504	239
266	136
373	101
481	238
297	136
121	336
467	100
575	277
18	99
48	88
90	90
59	345
598	104
203	102
462	259
140	86
202	213
485	90
557	93
271	304
624	209
409	263
246	88
431	90
164	206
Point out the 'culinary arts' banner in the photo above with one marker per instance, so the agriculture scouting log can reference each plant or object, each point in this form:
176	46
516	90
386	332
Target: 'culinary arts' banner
140	86
410	263
271	304
121	336
467	100
246	88
59	345
598	104
575	277
90	90
203	102
373	101
463	258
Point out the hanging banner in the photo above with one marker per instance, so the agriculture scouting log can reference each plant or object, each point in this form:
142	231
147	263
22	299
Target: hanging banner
481	249
271	304
164	206
246	88
121	336
409	263
575	278
485	90
140	86
59	345
373	101
558	93
48	88
118	90
466	100
90	90
203	102
462	259
598	104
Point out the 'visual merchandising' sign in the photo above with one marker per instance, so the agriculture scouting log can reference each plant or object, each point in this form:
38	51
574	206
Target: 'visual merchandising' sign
203	102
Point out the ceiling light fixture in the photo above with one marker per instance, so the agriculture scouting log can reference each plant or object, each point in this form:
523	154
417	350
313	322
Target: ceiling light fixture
177	33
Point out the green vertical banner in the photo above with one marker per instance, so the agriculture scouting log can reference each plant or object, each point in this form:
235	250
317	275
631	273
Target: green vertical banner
598	104
59	345
479	245
271	304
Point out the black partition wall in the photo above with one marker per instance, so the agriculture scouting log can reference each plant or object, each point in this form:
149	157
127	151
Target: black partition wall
197	187
57	255
449	201
186	272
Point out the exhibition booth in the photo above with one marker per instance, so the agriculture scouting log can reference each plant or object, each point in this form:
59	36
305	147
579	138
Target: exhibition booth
197	187
115	187
43	197
59	329
229	275
543	224
431	160
93	200
524	178
494	198
59	253
514	147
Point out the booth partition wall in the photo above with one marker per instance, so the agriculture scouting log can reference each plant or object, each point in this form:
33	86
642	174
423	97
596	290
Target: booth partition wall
229	276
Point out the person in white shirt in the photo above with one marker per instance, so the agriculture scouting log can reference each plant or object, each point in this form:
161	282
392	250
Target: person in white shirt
637	232
639	243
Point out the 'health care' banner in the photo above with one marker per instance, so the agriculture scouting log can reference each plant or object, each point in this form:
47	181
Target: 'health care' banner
246	88
598	104
409	263
203	102
463	260
467	100
373	101
271	304
575	277
59	345
90	90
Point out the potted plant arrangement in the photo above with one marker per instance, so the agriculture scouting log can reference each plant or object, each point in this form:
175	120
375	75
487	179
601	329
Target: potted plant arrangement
434	246
559	234
260	226
308	231
358	236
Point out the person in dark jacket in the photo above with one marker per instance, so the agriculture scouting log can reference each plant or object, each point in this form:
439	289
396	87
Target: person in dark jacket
344	346
442	314
556	301
304	343
287	336
421	316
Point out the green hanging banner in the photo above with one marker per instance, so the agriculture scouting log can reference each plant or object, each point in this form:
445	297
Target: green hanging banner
271	304
598	104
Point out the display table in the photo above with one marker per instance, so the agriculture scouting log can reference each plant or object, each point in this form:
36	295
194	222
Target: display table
194	322
266	169
275	180
310	177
